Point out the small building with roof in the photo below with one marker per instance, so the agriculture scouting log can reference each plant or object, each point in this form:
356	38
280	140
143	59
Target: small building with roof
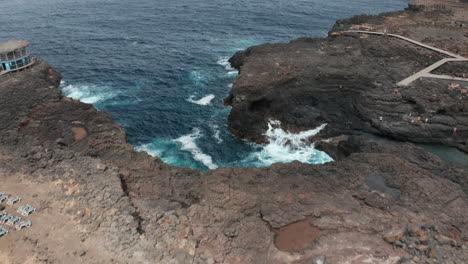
14	56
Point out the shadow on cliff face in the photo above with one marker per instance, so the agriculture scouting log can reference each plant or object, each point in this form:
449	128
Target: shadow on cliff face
260	105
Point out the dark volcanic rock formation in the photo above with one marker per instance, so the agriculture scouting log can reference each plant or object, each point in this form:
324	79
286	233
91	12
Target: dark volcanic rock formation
380	202
348	80
362	207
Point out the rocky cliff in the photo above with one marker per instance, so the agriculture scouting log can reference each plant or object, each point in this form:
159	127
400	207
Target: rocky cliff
100	201
349	81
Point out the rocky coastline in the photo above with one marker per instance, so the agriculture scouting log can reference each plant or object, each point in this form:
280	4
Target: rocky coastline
100	201
349	80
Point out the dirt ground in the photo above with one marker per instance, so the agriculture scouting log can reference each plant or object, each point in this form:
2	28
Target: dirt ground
54	236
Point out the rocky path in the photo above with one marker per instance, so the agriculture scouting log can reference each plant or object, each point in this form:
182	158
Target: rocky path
411	41
427	73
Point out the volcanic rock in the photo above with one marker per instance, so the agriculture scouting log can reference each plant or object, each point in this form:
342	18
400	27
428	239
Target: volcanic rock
349	81
139	205
140	210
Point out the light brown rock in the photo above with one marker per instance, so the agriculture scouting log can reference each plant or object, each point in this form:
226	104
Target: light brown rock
415	230
446	240
101	167
431	253
394	235
423	247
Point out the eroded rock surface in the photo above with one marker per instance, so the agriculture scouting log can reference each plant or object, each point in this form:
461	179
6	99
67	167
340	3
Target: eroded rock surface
100	201
348	80
136	209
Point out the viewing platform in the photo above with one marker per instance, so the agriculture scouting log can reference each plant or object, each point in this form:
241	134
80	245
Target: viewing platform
14	56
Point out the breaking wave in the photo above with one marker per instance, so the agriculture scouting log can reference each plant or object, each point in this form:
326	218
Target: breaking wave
203	101
224	61
188	144
284	146
90	94
163	149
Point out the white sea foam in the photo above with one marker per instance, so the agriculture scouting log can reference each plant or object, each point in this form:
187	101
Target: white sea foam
203	101
224	61
159	148
196	78
216	133
188	144
148	148
284	146
90	94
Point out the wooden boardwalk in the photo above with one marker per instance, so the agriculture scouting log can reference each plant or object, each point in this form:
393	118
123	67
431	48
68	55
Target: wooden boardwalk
427	71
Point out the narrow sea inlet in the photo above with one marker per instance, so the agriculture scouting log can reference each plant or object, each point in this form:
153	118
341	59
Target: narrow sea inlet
160	68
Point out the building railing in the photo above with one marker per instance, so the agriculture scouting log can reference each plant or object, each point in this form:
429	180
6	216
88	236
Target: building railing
23	66
5	57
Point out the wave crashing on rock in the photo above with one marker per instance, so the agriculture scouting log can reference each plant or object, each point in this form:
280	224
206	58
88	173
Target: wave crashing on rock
284	146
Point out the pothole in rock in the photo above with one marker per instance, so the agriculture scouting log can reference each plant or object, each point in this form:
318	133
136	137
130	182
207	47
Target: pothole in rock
296	236
79	133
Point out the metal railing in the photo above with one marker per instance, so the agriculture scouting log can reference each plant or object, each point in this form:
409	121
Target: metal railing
31	62
14	57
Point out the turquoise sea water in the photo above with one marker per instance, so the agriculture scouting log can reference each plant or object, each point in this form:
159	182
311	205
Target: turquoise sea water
160	67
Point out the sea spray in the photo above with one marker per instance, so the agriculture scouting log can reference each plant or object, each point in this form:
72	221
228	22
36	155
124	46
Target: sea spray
284	146
278	136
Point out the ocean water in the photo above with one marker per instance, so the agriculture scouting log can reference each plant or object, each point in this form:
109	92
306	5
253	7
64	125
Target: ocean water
160	67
